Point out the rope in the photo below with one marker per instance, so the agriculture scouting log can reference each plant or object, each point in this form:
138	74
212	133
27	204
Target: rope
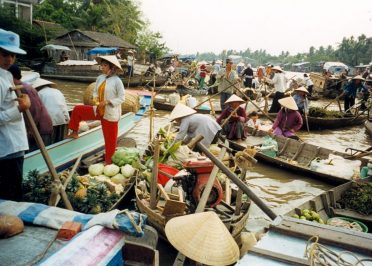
319	254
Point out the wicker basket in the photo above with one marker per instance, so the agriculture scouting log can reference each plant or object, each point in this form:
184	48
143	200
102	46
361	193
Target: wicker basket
131	103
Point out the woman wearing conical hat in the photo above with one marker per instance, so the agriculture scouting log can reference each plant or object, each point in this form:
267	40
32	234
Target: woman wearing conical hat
192	125
288	120
234	128
301	100
108	96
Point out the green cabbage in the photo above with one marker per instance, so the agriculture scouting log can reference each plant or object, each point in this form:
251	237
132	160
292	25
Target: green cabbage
125	156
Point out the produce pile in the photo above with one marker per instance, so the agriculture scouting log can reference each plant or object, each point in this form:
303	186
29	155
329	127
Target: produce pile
321	112
358	198
94	192
309	216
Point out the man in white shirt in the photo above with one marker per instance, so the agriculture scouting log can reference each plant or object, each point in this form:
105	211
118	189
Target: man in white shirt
308	83
130	63
280	85
13	135
55	103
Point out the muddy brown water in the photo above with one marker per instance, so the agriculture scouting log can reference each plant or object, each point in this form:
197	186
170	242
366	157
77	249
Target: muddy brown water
281	190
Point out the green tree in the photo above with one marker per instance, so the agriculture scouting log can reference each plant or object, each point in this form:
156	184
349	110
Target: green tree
151	43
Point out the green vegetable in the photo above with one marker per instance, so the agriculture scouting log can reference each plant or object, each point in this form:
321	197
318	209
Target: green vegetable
125	155
321	112
96	169
358	198
127	170
111	170
119	179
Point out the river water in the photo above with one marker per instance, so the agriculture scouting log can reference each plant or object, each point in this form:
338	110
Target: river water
281	190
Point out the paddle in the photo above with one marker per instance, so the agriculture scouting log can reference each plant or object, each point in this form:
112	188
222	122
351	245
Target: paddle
237	181
305	115
228	118
57	185
335	99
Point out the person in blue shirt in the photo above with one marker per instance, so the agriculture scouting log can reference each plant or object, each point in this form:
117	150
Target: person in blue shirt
350	90
301	100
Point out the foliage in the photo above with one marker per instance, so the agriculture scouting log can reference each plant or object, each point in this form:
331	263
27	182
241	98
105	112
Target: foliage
321	112
31	39
358	198
150	42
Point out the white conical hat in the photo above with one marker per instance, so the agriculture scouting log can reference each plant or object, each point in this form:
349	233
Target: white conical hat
42	82
110	58
277	68
302	89
203	237
289	103
181	110
234	98
359	77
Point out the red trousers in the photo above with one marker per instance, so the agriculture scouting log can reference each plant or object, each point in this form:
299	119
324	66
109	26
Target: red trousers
110	129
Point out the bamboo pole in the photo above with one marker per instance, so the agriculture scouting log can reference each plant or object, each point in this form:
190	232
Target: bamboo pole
57	185
154	179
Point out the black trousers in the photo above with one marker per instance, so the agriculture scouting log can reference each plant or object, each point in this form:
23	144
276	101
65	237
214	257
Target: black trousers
348	102
275	106
11	178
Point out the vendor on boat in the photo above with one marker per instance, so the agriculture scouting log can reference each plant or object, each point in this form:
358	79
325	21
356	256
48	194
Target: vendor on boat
108	96
350	90
288	120
280	83
301	100
226	77
192	124
236	115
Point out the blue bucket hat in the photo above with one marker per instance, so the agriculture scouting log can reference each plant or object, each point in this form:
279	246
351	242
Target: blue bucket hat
9	41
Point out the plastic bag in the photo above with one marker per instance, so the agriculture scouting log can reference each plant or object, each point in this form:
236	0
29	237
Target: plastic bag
337	166
269	146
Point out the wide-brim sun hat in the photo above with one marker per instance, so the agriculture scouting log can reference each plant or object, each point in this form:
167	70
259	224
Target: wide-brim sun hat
42	82
302	89
234	98
203	237
277	68
9	41
289	103
358	77
181	110
111	59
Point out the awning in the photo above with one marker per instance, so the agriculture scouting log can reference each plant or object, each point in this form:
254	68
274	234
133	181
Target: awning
55	47
102	50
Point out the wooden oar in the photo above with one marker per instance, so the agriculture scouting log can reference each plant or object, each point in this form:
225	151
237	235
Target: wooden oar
228	118
335	99
237	181
57	185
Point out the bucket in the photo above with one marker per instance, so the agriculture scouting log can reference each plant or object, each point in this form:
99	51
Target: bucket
364	172
191	102
162	179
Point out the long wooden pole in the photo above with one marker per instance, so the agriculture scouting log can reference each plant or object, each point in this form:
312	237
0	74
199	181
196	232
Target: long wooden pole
154	179
237	181
228	118
48	161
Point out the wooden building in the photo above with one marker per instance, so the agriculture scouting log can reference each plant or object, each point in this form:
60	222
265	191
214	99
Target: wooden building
80	42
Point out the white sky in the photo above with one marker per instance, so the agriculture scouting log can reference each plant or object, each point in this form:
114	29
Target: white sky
189	26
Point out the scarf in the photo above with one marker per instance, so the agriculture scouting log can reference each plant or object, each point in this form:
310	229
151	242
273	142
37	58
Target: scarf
101	98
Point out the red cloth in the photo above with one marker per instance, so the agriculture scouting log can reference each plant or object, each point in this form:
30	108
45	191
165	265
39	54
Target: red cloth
110	129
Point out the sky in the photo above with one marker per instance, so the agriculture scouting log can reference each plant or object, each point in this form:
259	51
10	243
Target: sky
190	26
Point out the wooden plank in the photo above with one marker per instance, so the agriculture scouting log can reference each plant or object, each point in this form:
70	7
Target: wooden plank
278	256
344	238
352	214
325	203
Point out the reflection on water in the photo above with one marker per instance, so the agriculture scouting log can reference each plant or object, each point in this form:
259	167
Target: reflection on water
280	189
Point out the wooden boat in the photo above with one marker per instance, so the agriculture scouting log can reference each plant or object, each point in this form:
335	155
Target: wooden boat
321	123
294	155
234	223
368	126
64	153
183	90
165	106
287	237
88	71
27	248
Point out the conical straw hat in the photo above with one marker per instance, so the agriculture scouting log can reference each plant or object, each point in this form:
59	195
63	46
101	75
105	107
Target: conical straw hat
181	110
289	103
110	58
42	82
277	68
234	98
203	237
302	89
359	77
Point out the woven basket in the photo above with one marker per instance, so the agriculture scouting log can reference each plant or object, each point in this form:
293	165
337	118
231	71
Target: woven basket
131	103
